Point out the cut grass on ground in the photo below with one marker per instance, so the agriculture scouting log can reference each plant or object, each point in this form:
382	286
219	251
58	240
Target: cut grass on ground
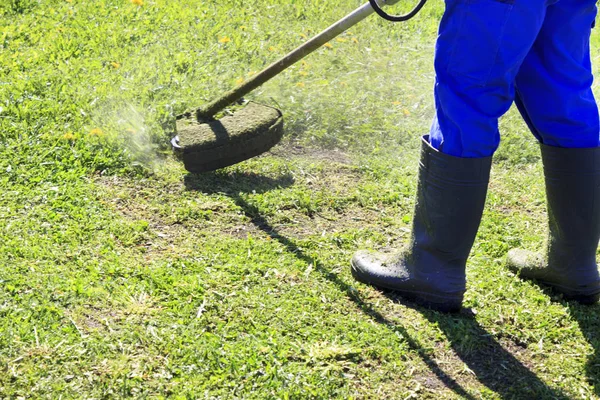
123	276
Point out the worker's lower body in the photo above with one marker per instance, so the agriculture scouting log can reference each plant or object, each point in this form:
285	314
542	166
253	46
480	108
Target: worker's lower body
490	53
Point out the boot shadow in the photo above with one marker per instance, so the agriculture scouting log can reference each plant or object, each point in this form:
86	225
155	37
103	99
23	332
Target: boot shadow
588	318
493	364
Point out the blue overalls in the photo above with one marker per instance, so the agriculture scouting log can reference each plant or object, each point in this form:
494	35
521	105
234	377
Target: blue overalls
536	53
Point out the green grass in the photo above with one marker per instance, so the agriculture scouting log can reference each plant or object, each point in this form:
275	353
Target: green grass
123	276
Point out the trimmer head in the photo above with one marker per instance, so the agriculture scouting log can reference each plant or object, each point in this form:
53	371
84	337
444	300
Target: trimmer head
216	144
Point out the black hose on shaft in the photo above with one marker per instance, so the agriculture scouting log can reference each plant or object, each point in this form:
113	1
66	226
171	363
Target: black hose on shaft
397	18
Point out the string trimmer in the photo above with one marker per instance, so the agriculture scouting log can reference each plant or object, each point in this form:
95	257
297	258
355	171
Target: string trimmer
206	144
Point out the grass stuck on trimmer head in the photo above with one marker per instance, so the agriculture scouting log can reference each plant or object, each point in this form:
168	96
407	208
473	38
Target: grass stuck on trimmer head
208	146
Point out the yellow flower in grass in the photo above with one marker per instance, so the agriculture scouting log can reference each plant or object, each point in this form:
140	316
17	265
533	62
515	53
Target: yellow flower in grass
341	40
328	45
239	81
115	65
224	40
354	40
271	48
96	132
138	2
303	36
69	136
300	84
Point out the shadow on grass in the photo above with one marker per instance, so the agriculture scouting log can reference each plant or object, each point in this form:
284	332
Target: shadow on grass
589	322
232	184
588	319
493	366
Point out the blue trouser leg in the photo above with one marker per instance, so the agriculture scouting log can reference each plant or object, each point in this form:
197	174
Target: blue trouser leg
554	84
481	50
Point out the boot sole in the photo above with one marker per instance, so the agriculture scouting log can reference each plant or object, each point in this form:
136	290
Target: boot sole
426	299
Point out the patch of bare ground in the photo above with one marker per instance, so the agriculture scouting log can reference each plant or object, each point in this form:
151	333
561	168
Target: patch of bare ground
136	201
353	218
136	309
297	151
417	382
157	202
90	319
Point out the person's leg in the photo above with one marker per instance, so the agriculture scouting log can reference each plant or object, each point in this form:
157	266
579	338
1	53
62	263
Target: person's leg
554	83
448	208
554	95
480	49
481	46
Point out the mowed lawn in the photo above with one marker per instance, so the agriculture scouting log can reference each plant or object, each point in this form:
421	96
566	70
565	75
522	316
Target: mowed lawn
121	275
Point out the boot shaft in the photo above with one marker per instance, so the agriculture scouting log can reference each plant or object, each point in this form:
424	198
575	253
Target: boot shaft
573	196
449	204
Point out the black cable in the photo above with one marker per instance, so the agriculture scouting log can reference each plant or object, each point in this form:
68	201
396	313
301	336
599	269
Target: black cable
397	18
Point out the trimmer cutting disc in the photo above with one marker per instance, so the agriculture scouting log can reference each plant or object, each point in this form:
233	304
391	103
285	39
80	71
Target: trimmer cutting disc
206	145
220	143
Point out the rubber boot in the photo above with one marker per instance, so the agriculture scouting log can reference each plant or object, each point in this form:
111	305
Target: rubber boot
573	197
449	203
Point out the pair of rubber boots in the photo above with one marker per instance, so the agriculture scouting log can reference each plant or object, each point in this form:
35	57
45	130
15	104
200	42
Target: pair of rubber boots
449	204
